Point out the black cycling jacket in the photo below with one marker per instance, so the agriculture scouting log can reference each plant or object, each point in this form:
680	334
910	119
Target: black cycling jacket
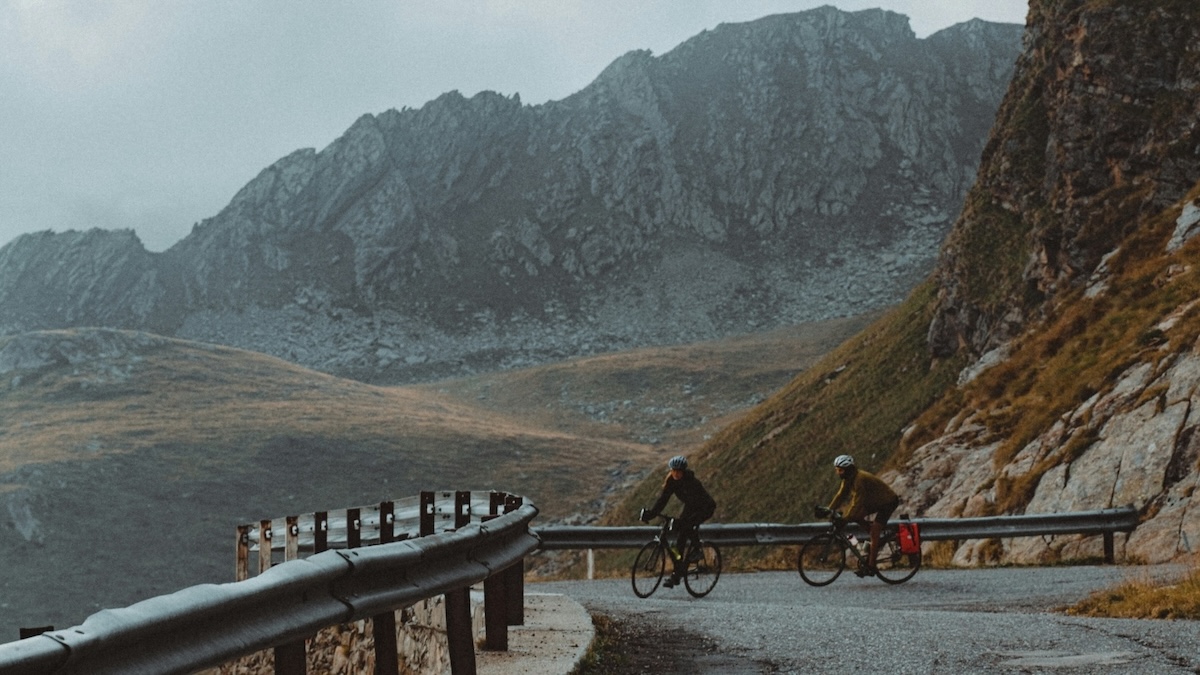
696	500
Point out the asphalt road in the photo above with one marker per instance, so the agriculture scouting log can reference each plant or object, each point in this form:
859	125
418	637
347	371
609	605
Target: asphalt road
943	621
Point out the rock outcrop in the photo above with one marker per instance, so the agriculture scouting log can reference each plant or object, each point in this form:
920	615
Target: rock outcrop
793	168
1097	133
1072	272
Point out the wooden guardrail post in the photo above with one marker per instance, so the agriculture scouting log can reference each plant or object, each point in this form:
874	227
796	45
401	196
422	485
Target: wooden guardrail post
495	607
290	659
383	626
241	568
387	522
320	531
462	509
514	576
264	546
291	547
353	528
460	642
458	632
495	612
426	524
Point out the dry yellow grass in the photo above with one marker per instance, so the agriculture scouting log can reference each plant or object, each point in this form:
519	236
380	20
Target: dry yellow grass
1146	599
676	395
565	434
187	393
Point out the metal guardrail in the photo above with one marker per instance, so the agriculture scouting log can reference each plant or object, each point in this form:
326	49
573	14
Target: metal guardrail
1104	521
404	517
208	625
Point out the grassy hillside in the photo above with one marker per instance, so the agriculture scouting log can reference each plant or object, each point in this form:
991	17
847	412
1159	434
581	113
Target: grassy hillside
111	439
878	396
668	397
238	412
774	463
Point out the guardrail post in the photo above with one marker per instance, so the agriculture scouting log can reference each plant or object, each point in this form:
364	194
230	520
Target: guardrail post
1109	554
426	514
383	626
264	546
458	605
514	576
462	509
291	548
387	522
320	531
290	659
496	503
353	528
241	567
458	632
495	606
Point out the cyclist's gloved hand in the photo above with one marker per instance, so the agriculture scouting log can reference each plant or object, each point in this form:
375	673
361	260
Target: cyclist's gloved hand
643	516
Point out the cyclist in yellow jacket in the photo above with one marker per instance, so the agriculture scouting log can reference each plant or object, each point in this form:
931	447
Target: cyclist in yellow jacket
866	496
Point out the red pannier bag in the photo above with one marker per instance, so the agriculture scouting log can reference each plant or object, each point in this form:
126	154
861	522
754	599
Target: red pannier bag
909	536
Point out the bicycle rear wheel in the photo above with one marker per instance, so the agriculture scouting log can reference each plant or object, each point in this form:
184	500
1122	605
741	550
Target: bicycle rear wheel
702	575
648	567
892	566
821	559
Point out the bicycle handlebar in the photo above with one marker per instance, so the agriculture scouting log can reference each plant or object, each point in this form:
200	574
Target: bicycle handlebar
662	516
834	516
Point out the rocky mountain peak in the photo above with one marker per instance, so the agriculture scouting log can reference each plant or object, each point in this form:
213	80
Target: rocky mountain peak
793	168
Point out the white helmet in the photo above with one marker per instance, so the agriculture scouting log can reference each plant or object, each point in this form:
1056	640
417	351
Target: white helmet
677	462
844	462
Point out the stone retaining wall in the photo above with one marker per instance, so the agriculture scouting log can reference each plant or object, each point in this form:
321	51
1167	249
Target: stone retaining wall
349	649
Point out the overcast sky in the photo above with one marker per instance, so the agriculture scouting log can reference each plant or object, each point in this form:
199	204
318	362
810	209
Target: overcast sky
151	114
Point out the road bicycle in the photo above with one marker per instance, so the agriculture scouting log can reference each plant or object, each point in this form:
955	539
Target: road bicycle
823	557
702	567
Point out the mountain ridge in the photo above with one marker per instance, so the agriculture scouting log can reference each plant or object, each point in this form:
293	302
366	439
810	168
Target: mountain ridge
793	168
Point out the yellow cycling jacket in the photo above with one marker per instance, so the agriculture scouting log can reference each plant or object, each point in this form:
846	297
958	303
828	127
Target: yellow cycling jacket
866	494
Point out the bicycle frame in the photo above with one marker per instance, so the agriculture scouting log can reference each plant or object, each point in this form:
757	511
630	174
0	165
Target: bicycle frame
698	569
823	558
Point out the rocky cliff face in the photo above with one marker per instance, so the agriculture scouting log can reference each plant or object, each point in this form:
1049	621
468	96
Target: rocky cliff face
1087	393
1097	133
792	168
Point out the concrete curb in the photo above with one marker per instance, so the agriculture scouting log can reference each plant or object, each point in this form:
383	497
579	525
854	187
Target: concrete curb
557	633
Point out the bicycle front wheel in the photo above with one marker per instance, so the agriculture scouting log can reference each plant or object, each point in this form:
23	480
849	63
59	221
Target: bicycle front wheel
821	559
892	566
648	567
702	575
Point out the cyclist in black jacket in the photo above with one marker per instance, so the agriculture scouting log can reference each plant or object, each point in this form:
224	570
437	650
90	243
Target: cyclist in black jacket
698	506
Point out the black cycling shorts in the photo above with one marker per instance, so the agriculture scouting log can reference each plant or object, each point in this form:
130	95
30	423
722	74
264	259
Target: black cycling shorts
884	513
